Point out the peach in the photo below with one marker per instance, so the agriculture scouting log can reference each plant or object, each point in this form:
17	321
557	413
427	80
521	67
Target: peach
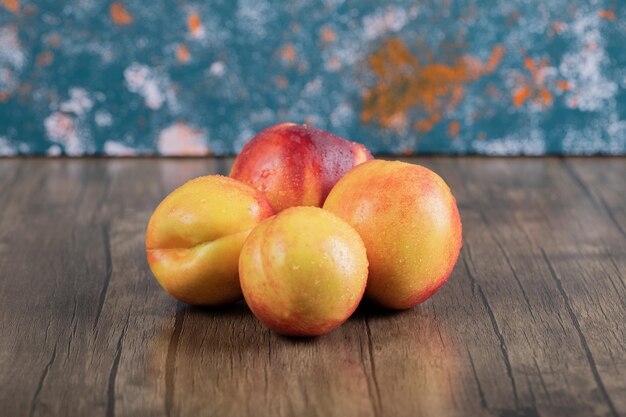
303	271
195	235
410	224
296	165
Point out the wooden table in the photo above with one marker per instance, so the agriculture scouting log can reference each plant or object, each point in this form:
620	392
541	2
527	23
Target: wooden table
531	323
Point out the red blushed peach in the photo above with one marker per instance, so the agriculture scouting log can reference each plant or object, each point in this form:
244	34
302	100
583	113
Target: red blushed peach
410	224
296	165
303	271
195	235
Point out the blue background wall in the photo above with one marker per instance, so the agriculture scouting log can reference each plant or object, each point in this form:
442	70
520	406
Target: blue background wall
199	77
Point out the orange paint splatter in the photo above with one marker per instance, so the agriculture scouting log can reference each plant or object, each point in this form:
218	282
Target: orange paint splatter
405	83
4	96
607	14
288	53
562	85
397	121
328	35
558	27
120	15
182	53
54	40
424	125
533	88
194	24
544	97
281	82
520	95
494	60
44	59
12	5
453	129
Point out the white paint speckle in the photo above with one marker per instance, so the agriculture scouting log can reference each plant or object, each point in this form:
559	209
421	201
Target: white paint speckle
605	134
217	69
99	96
78	103
12	58
392	19
61	128
583	66
342	115
11	53
114	148
253	16
54	150
6	148
313	87
181	139
103	118
513	144
153	86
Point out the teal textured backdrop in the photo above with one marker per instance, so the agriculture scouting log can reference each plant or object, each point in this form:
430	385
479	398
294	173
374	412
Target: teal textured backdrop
195	78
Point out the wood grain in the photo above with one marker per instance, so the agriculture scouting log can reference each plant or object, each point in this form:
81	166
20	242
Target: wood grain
531	322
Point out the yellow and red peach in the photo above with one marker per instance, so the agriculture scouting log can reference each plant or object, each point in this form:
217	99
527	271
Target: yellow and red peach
195	235
303	271
410	224
296	165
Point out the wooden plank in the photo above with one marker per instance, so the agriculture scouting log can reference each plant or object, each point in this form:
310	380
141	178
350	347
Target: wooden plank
530	323
558	308
604	184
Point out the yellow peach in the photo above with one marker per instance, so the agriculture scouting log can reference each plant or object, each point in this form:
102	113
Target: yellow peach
410	224
303	271
195	235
